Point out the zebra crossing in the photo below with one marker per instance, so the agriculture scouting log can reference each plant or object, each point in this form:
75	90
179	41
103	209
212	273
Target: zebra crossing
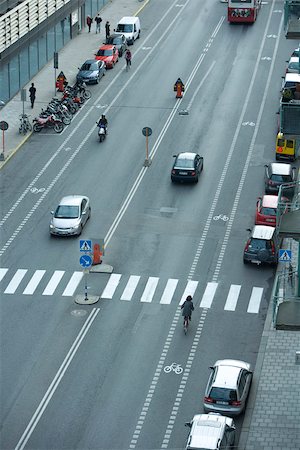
130	288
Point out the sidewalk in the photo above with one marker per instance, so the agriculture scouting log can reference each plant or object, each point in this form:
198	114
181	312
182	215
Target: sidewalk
72	56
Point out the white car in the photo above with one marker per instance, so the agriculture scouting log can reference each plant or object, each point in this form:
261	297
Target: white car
210	432
70	216
293	65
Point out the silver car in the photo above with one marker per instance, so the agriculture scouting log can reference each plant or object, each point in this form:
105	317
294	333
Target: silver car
70	216
210	432
228	387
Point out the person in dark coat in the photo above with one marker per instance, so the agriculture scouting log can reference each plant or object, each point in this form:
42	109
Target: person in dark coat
107	29
32	92
98	21
89	21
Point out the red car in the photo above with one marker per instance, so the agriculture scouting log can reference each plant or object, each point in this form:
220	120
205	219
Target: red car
109	54
266	208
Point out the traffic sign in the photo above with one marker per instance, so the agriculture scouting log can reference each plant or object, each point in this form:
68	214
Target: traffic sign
3	125
147	131
85	261
285	255
85	245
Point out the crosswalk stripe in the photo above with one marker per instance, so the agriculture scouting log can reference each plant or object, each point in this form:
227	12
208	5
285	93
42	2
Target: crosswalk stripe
130	287
73	283
2	273
169	291
189	290
111	286
53	283
232	297
255	299
15	281
149	289
208	295
33	283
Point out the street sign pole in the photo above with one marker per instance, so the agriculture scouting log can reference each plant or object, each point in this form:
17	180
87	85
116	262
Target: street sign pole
3	126
85	287
147	131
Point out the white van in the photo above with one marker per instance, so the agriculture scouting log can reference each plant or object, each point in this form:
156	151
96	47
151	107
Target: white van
130	27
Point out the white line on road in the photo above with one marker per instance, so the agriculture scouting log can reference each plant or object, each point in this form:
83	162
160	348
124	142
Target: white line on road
111	286
15	281
255	299
169	291
149	290
73	283
232	297
2	273
34	282
208	295
130	287
189	290
53	283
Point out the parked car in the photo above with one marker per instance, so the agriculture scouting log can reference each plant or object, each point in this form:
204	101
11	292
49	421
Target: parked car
187	167
262	245
91	71
266	209
70	216
228	387
119	40
293	65
296	52
277	174
109	54
210	431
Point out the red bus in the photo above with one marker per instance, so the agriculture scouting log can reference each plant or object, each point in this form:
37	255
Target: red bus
243	10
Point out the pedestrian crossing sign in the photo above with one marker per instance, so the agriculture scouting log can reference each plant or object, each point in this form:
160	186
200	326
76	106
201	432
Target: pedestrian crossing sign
85	245
285	255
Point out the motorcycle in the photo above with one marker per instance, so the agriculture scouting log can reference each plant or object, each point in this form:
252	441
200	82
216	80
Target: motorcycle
48	121
101	132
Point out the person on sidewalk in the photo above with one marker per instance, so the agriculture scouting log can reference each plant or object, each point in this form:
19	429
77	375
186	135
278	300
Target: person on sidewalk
98	21
89	21
32	92
107	29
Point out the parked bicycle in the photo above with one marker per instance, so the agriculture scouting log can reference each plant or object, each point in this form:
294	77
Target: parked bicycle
25	125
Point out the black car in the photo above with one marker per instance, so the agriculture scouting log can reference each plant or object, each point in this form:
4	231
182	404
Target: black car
187	167
119	40
91	71
277	174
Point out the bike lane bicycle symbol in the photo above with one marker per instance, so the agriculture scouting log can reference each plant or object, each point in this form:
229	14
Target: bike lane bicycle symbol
35	190
221	217
173	367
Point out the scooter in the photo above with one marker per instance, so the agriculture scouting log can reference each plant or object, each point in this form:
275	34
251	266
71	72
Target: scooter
101	132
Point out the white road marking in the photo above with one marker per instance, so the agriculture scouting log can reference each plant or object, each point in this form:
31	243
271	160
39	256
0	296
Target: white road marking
2	273
15	281
189	290
232	297
130	287
255	299
73	283
111	286
208	295
168	291
53	283
149	289
34	282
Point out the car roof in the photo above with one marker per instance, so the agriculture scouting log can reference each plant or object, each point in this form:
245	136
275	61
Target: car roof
128	19
107	47
294	59
262	232
114	35
294	77
207	430
270	201
72	200
280	168
91	61
186	155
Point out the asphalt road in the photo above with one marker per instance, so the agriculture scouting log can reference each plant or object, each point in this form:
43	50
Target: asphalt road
92	377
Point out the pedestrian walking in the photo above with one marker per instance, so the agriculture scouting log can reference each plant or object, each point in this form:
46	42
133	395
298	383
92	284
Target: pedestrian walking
89	21
32	92
107	29
98	21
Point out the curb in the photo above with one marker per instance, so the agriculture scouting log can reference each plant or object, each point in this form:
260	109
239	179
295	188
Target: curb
13	152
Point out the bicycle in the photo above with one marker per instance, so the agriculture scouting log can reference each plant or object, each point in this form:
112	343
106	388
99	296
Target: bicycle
25	125
186	322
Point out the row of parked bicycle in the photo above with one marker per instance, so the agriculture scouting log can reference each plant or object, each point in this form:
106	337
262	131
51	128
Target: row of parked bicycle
58	112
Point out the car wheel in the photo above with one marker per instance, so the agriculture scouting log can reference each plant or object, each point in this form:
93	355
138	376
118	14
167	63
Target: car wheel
80	230
245	261
90	213
197	179
97	79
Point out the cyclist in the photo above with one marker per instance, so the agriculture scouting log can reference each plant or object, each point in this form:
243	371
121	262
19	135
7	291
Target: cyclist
102	122
128	58
187	308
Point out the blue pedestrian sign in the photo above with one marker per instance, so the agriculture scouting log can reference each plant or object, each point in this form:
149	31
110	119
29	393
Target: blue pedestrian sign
85	245
85	261
285	255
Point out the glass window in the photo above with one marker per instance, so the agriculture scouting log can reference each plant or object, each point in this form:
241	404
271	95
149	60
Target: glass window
67	30
50	43
33	59
24	67
4	84
14	79
42	51
59	31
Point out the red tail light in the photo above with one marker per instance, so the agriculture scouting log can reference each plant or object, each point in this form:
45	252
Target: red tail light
193	174
273	248
173	172
247	245
235	403
208	400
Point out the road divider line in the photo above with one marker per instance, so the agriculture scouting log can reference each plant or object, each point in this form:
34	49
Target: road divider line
255	299
56	380
15	281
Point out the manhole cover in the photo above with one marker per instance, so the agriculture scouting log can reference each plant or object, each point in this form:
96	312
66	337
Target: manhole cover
78	312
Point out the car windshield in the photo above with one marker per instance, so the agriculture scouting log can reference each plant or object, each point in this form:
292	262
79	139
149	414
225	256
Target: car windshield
105	52
259	244
281	178
293	66
117	41
125	28
89	66
66	212
221	394
185	163
268	211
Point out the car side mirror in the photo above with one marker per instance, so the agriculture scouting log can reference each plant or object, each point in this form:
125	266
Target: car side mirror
249	229
188	424
83	213
174	156
52	212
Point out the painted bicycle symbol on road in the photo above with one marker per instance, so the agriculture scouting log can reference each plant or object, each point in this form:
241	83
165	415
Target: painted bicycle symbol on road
221	217
35	190
173	367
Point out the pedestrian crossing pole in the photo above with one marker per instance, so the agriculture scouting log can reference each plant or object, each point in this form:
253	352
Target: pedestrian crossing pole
86	271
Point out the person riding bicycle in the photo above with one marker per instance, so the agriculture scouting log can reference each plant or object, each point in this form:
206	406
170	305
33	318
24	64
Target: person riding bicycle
179	88
102	122
128	57
187	307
